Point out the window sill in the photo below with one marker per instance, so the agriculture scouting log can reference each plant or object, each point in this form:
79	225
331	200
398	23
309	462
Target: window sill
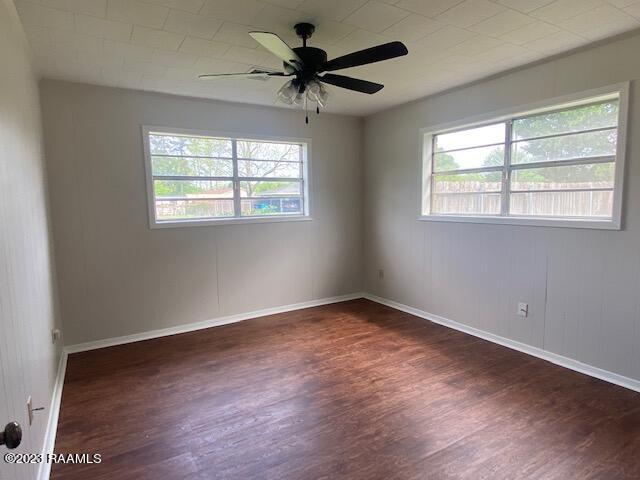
228	221
607	224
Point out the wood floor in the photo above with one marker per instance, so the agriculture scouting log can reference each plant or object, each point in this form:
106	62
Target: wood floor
352	390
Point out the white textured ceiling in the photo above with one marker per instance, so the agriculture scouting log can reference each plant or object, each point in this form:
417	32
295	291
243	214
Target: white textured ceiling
162	45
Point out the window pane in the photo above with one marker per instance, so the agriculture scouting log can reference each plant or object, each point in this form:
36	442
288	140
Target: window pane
597	175
271	206
189	166
161	144
192	189
468	182
248	168
268	150
191	209
580	145
473	158
472	137
571	120
466	204
270	189
565	204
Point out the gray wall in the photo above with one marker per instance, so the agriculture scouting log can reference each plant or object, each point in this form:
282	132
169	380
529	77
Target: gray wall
28	359
582	286
118	277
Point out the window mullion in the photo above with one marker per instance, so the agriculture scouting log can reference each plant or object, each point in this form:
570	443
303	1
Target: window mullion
506	174
433	169
236	180
303	206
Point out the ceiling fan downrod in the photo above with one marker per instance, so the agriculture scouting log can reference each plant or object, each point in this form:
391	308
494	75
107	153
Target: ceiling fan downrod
304	31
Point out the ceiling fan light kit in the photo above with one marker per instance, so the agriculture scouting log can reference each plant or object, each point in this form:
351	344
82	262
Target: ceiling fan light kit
309	66
293	92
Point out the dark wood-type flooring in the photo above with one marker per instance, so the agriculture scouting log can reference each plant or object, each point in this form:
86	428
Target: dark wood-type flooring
352	390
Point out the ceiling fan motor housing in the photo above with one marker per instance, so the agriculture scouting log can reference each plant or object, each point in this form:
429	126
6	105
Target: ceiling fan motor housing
312	59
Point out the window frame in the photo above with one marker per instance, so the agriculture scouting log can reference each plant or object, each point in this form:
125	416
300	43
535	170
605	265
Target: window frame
427	136
234	136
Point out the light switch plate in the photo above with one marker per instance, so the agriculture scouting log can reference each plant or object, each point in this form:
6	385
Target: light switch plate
523	309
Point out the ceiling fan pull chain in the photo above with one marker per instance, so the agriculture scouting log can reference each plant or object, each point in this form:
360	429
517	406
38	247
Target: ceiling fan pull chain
306	110
318	108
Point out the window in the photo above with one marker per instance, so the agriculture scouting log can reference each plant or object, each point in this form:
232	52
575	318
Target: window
555	165
203	179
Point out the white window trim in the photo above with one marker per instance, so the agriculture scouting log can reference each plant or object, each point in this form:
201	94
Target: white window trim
565	101
306	166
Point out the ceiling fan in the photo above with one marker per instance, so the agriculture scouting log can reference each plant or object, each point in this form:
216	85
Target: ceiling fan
309	66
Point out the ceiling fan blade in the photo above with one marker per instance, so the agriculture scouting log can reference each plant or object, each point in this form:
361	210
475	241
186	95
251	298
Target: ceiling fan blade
368	55
268	73
278	47
351	83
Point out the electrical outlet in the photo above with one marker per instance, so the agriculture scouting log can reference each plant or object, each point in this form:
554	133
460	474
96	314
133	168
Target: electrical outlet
55	335
380	274
523	309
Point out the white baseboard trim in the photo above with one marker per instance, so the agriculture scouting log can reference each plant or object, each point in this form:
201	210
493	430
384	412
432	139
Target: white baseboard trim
52	423
215	322
566	362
